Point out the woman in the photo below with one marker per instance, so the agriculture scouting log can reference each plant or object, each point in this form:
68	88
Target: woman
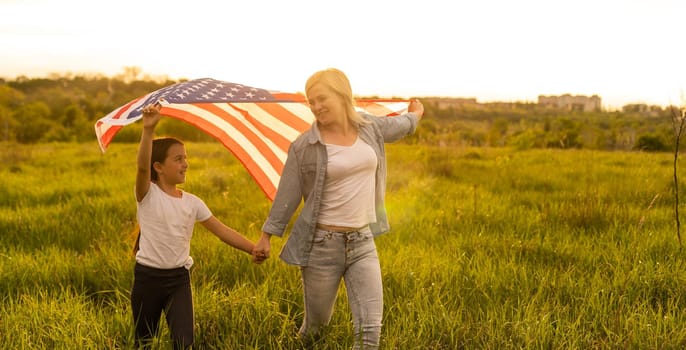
338	169
167	215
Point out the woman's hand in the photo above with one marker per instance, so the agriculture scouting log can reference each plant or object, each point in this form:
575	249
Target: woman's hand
416	107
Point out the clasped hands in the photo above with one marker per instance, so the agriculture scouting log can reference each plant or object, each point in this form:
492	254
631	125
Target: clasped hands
260	252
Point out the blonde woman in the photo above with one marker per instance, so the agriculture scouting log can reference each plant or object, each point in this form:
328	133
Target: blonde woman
337	169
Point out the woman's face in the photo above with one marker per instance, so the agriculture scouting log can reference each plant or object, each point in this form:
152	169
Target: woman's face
326	105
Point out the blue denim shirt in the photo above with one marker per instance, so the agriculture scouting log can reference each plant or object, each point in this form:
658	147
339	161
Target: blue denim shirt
303	179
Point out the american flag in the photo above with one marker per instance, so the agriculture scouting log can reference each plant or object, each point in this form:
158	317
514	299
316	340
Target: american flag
256	125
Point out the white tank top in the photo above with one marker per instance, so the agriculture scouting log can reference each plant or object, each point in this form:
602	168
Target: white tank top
348	197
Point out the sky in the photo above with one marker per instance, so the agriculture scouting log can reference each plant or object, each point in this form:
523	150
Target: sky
625	51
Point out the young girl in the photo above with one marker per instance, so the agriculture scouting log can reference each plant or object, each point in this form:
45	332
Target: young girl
166	216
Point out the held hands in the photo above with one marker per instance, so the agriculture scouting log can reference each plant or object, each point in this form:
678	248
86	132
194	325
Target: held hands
261	251
416	107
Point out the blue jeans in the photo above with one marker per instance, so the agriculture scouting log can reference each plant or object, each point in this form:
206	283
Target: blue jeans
351	256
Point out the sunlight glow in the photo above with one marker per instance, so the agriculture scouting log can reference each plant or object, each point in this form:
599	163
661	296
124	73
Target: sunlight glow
493	50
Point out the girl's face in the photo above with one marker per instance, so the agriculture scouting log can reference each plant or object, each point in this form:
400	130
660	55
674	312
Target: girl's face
173	170
326	105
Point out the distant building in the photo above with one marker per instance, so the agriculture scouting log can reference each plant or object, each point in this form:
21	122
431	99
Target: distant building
571	103
643	109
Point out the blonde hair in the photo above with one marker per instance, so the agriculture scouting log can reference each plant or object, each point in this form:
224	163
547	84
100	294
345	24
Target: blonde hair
336	80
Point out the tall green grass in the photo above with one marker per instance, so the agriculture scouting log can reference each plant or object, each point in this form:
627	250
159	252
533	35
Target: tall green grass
489	249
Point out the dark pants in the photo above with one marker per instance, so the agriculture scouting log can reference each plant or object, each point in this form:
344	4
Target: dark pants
156	290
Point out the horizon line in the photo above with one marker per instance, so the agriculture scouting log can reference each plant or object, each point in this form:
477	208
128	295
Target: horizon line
161	78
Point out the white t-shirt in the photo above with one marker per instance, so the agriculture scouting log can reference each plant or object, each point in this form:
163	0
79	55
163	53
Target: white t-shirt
348	196
166	224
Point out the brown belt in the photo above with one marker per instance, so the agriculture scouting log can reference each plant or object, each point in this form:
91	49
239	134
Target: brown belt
339	229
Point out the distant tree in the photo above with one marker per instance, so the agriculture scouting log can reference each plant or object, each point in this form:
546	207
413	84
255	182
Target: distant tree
652	143
7	124
32	122
526	139
10	97
564	133
74	120
497	132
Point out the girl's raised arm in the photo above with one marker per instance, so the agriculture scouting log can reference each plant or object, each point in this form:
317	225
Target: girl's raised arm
151	115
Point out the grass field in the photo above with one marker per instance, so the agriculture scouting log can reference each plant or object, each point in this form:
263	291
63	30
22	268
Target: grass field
489	249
